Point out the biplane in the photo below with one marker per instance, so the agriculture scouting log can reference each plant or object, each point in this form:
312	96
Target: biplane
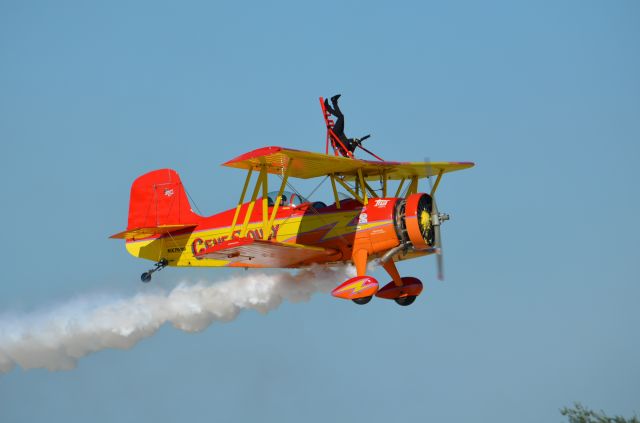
283	229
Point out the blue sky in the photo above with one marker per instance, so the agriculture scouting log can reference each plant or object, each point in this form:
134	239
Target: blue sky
540	305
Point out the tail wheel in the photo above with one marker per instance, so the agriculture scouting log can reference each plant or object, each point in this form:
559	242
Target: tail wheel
405	301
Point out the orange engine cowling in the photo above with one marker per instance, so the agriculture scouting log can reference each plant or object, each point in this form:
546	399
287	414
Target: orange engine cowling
413	221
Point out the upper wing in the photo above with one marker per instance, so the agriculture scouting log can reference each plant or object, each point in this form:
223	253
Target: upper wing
305	164
259	253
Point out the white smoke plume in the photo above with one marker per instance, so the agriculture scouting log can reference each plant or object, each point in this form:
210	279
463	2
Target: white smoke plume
57	338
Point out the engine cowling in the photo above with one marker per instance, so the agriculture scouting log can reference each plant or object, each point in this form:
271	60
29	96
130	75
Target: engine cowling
413	221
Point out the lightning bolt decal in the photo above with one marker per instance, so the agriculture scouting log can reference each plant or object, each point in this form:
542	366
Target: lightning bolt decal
358	287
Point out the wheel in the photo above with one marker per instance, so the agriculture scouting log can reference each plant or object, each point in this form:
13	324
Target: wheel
405	301
145	277
362	301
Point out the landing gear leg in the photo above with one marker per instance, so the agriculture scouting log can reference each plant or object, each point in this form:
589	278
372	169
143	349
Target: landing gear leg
146	276
402	290
392	270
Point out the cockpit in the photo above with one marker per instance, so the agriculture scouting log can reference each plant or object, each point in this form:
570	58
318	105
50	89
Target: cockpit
288	199
292	199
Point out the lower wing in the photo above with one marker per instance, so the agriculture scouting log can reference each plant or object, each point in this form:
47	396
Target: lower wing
259	253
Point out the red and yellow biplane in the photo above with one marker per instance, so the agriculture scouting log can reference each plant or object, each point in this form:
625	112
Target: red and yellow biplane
282	229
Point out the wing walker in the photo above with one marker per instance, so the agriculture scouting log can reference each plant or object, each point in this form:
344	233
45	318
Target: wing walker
367	218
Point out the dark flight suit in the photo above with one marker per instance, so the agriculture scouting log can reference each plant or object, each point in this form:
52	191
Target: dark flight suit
338	128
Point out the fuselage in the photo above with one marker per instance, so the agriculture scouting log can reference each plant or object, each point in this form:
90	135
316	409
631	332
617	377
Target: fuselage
346	228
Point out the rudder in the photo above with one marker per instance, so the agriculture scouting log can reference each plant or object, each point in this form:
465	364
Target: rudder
158	198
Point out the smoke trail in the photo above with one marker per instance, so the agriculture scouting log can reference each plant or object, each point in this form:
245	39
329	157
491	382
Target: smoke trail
56	339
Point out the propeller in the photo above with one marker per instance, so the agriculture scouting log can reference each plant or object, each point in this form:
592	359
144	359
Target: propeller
436	220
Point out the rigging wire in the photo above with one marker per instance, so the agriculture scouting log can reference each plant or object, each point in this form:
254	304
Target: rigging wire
192	200
313	209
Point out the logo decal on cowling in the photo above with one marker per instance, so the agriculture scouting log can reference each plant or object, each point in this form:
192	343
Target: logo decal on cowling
381	203
168	192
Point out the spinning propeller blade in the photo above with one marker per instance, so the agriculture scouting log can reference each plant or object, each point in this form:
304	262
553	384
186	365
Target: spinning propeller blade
436	221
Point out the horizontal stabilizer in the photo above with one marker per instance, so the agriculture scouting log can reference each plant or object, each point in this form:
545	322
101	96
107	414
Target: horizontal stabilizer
140	233
259	253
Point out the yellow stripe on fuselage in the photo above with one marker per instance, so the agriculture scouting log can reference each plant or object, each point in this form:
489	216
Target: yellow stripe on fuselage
179	249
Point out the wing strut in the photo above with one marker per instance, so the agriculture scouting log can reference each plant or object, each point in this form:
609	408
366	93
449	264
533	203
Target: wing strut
364	189
239	206
413	186
335	191
265	203
371	191
256	189
261	182
351	191
400	187
384	184
267	229
435	186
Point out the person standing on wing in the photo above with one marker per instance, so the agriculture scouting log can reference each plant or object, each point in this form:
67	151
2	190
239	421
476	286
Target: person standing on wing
349	143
